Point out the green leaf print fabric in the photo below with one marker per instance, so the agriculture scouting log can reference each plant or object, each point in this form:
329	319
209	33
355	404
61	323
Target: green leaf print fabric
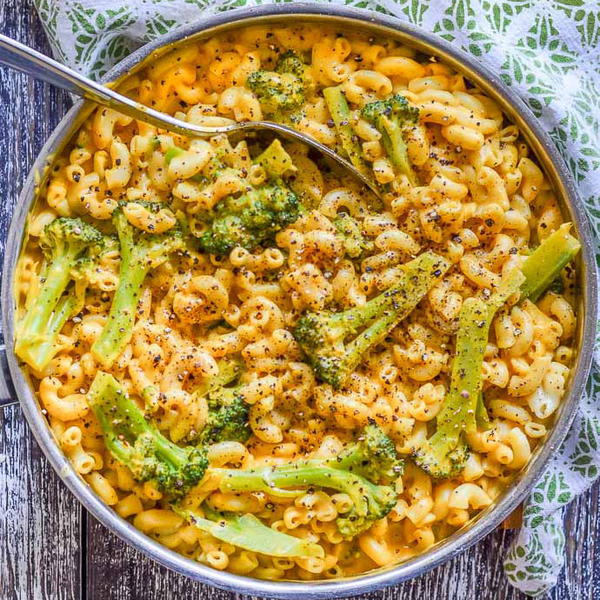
547	51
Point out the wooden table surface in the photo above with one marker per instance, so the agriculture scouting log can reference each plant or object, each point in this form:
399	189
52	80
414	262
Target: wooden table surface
51	549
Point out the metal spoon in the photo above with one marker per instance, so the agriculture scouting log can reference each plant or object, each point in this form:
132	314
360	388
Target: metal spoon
29	61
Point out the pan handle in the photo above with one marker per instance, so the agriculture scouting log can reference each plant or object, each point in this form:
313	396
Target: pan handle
8	395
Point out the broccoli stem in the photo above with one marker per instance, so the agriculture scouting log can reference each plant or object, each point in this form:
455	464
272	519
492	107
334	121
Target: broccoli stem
413	282
340	113
465	386
40	354
113	407
248	532
547	261
322	336
471	341
374	334
56	279
118	328
137	443
300	473
395	148
119	324
394	305
481	414
121	418
459	409
275	480
415	279
275	160
138	257
39	328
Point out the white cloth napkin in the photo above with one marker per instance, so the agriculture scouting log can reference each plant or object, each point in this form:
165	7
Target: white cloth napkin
548	51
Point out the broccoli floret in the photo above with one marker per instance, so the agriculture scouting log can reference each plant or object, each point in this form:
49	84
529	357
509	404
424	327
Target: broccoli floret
443	455
227	418
230	370
372	456
276	92
354	242
64	241
250	219
86	272
136	442
284	89
323	336
558	285
370	501
290	62
392	117
139	255
227	411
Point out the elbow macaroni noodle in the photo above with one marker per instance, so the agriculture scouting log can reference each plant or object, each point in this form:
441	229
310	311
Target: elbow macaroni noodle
482	202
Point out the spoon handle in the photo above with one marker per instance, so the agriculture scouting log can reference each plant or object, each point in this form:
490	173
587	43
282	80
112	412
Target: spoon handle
18	56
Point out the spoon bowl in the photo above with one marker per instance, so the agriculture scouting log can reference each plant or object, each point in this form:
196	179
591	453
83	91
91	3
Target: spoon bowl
22	58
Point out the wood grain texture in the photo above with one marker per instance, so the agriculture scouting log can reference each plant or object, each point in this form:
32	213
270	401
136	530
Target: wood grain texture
40	521
51	550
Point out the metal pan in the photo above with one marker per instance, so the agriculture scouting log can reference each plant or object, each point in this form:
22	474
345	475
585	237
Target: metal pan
16	384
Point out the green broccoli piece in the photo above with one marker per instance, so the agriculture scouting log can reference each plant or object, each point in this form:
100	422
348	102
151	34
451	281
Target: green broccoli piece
283	90
86	272
227	418
392	117
276	92
171	153
356	472
445	452
323	336
558	285
342	119
545	264
250	533
275	160
230	370
139	255
481	414
373	456
227	411
354	242
64	241
290	62
136	442
250	219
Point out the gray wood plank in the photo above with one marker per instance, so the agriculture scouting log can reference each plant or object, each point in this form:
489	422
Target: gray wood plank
40	520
